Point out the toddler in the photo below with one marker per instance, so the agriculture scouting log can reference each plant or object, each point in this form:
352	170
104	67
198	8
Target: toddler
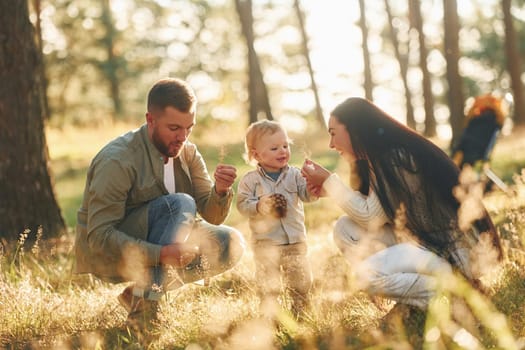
271	198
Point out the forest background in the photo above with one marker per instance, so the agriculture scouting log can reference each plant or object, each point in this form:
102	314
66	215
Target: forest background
75	75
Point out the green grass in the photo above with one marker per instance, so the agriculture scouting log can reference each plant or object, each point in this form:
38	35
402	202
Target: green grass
44	306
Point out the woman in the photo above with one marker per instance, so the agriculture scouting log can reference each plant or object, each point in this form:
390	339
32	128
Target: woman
402	228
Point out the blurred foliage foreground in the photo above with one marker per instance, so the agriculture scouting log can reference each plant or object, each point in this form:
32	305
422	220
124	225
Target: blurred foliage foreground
44	306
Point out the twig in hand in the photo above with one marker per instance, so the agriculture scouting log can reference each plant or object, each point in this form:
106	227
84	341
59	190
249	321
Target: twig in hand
222	153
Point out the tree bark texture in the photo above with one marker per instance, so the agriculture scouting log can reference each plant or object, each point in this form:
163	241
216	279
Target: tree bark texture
513	64
37	6
306	54
416	21
27	200
258	94
455	91
111	66
368	83
403	68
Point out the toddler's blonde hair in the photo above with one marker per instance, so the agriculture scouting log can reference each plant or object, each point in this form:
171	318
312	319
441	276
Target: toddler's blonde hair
257	130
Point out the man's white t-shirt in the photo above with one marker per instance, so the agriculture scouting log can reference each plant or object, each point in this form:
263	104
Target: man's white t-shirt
169	176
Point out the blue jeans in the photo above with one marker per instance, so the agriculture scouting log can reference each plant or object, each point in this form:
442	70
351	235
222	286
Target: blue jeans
172	219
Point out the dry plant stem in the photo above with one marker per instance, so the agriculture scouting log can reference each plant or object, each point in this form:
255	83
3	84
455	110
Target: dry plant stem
222	154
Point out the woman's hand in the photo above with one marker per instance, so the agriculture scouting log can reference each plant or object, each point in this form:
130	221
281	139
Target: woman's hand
315	176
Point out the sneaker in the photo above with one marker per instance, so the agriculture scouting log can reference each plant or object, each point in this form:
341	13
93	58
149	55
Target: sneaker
141	312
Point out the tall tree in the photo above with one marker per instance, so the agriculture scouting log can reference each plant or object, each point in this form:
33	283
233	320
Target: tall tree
26	191
111	65
37	7
513	63
257	91
368	83
451	51
306	53
416	21
403	67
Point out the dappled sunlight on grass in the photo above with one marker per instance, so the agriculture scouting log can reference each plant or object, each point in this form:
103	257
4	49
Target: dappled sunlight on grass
44	305
82	311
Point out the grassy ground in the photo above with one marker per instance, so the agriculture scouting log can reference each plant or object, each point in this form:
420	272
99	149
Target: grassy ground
44	306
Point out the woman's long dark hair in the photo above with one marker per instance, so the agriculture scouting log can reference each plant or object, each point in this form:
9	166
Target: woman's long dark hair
386	146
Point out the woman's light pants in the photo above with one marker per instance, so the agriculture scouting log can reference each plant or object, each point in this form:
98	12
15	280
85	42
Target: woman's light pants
404	272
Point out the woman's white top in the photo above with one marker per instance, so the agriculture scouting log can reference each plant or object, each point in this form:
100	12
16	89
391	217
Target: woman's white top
366	211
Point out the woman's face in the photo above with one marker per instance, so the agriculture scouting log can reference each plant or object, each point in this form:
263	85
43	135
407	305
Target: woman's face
340	139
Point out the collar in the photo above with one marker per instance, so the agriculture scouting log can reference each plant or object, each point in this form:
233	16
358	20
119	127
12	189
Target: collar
263	172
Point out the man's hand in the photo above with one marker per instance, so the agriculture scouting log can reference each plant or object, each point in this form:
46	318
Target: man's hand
178	254
224	177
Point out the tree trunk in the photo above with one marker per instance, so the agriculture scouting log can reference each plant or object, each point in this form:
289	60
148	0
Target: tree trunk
455	92
403	68
37	7
306	54
513	64
258	94
111	66
368	84
416	21
26	191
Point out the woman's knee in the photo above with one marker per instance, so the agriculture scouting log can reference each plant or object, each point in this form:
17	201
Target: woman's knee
346	233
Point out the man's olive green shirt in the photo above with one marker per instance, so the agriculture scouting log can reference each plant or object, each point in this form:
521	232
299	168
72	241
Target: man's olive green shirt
112	222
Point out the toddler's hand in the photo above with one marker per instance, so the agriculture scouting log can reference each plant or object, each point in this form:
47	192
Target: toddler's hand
264	206
273	204
279	205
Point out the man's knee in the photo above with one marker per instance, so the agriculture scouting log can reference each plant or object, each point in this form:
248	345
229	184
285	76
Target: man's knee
233	245
184	201
222	246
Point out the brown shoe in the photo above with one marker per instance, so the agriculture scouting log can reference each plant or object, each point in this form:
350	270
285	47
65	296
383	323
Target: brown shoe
141	311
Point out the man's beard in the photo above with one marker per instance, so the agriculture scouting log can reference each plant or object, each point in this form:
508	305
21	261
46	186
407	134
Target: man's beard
164	148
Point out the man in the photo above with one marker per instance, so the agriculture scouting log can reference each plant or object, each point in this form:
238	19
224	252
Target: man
137	221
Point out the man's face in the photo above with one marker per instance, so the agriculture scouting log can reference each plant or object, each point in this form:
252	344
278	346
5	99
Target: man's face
169	129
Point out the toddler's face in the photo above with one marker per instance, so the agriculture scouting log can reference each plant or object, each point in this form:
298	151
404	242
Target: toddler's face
272	152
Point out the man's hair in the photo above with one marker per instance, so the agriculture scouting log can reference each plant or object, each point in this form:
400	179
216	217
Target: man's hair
171	92
257	130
